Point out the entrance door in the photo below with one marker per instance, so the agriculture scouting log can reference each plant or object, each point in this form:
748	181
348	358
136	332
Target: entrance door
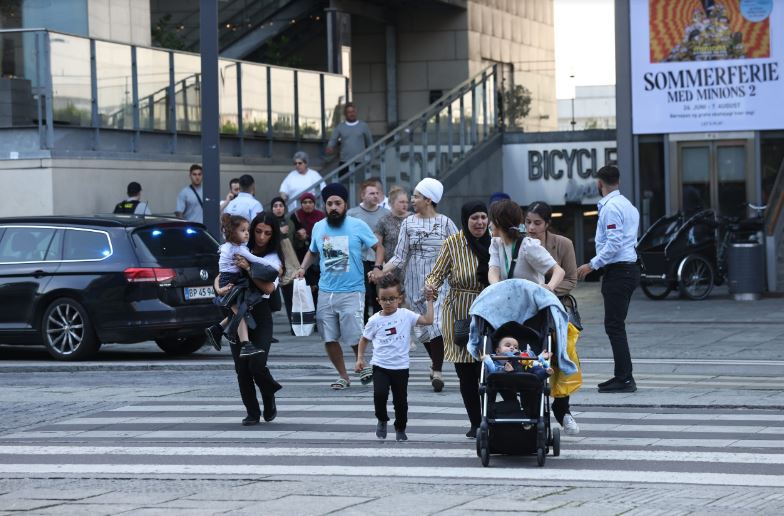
715	175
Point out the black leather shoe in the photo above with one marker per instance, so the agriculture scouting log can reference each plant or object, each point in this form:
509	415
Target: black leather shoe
270	409
214	335
274	340
471	434
606	383
250	421
625	385
400	435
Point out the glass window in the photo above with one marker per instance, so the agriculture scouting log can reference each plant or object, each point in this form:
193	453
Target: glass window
254	99
25	244
152	69
175	246
282	102
334	100
187	92
731	171
55	251
115	85
309	93
61	15
70	58
18	61
651	182
695	167
81	244
227	95
772	153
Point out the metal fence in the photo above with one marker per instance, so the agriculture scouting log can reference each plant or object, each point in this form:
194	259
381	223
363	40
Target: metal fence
52	79
431	143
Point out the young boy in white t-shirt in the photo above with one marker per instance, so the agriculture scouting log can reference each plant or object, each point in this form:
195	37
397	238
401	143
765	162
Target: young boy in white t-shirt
390	332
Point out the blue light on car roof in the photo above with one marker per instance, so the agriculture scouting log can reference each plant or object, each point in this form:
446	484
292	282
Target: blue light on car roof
190	231
156	232
106	252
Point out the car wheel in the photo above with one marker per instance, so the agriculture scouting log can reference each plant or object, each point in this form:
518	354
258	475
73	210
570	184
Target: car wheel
67	331
181	345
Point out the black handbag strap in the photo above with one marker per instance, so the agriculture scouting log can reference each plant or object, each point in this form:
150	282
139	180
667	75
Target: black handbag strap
197	196
515	252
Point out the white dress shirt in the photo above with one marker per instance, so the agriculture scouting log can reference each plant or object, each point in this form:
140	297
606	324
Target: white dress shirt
616	231
244	205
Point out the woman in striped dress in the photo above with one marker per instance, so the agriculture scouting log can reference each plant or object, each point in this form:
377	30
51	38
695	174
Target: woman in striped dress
463	262
419	241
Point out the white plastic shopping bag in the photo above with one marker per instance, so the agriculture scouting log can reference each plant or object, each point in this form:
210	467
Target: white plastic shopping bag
303	313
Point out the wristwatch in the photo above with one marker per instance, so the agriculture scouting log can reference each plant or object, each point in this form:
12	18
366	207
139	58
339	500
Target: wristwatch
379	267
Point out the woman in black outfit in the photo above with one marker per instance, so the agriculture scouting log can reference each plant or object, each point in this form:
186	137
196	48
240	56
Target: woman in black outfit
252	370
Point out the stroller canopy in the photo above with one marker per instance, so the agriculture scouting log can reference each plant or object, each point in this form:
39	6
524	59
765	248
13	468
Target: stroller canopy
519	300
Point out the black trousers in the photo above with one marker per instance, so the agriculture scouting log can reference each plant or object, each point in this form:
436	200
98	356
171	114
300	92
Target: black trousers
397	380
469	374
371	302
618	283
560	407
252	371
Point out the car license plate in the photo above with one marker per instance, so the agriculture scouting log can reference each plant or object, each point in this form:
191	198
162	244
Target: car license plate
192	293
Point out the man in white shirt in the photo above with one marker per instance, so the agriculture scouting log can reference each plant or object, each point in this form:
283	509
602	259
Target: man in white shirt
298	180
616	255
245	204
234	190
190	199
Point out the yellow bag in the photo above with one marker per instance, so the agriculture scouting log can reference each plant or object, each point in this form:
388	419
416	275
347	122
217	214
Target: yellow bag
563	385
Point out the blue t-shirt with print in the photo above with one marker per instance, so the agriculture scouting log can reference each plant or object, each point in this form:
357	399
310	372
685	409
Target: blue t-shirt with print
340	253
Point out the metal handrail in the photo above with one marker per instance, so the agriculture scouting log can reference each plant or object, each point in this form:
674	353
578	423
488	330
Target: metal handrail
364	160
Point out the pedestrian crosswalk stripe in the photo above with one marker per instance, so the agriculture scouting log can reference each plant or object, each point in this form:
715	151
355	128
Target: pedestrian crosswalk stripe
515	473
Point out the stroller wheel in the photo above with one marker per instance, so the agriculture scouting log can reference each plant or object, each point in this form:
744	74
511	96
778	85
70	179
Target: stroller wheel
556	442
483	447
540	455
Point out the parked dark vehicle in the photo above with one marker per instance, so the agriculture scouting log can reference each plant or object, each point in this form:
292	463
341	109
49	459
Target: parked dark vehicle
688	253
71	283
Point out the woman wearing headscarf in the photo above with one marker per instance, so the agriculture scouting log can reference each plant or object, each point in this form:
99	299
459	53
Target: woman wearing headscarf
290	257
304	219
463	262
419	241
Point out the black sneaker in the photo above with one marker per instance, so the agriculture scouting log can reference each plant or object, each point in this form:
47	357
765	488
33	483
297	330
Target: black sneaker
381	430
249	349
270	409
471	434
625	385
606	383
400	435
274	341
214	335
250	421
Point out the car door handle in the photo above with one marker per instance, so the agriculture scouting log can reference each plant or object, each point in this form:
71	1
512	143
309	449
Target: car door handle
38	273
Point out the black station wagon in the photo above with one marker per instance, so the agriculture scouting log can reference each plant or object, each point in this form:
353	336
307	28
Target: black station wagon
71	283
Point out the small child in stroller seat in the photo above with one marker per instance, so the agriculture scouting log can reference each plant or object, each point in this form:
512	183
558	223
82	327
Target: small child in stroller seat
507	344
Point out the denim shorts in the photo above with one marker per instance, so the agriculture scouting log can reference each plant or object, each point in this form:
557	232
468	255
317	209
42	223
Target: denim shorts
339	316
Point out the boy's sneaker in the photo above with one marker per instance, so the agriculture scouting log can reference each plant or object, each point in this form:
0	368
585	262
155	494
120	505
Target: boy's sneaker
214	335
400	435
381	430
570	425
249	349
437	381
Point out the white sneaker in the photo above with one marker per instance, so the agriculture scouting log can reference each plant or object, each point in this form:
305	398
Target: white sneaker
570	425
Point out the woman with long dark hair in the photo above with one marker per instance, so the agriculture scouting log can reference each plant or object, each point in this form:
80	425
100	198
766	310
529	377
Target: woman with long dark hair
252	370
463	262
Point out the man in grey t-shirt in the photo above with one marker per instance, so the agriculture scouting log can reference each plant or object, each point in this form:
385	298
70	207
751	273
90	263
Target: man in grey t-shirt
352	135
191	198
370	212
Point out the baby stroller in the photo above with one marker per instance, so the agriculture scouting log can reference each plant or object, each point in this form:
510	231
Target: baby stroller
520	423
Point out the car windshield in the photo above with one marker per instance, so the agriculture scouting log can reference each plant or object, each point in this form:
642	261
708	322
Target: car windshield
176	246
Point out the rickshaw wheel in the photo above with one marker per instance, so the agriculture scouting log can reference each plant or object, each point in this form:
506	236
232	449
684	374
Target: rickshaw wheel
656	291
695	277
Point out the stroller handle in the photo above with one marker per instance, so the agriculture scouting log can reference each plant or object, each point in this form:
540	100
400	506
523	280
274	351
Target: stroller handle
507	357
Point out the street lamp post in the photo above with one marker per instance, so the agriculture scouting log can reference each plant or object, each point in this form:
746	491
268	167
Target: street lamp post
574	92
210	135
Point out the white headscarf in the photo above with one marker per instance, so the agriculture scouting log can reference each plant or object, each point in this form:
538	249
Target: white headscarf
431	188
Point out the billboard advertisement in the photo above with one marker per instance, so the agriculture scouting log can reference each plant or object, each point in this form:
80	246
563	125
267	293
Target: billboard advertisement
707	65
556	173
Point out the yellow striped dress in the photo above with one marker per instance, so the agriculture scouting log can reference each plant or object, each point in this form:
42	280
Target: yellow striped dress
457	264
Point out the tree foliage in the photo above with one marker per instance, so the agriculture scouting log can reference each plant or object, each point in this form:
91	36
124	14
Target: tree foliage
517	105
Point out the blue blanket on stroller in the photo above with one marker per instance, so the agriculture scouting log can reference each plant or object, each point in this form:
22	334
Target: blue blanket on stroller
519	300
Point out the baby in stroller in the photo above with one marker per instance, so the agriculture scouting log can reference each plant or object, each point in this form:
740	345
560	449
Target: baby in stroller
508	345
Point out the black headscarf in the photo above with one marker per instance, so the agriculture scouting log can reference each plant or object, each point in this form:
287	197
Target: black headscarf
479	246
